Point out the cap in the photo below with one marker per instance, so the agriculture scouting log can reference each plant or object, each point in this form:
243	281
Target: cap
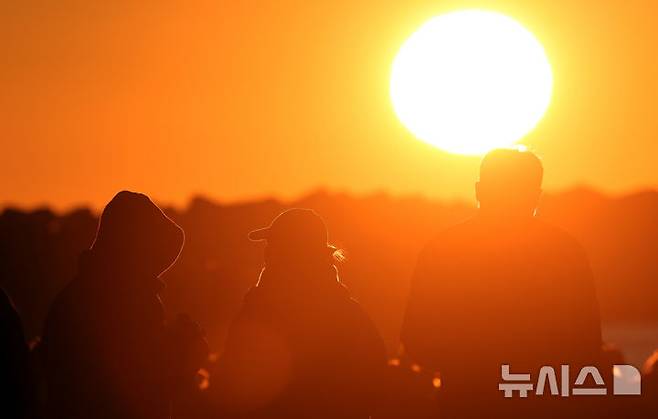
297	225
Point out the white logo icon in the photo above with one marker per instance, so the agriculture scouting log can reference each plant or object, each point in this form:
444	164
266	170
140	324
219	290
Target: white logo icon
627	381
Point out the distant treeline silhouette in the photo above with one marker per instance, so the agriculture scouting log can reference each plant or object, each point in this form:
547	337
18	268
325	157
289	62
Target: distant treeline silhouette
382	236
455	294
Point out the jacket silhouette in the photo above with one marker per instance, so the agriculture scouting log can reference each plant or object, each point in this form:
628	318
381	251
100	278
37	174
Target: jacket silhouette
501	288
107	350
15	383
300	345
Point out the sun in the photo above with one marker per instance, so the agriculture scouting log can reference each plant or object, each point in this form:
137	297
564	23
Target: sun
470	81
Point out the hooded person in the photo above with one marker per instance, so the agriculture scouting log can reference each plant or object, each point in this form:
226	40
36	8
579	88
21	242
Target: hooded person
300	346
107	350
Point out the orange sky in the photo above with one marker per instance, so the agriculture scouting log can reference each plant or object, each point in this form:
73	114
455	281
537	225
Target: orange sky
241	99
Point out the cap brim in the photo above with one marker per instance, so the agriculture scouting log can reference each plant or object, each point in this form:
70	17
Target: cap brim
259	235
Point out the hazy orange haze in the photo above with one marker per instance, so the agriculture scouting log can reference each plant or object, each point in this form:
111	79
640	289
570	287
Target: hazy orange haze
241	99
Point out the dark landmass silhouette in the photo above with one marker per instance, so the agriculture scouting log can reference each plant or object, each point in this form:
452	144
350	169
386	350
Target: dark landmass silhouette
381	235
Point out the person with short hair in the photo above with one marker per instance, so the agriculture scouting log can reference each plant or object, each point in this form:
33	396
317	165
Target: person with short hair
501	288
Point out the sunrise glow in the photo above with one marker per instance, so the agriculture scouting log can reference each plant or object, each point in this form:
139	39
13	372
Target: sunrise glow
469	81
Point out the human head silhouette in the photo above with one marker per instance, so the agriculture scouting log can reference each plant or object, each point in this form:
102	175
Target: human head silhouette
296	237
510	183
135	236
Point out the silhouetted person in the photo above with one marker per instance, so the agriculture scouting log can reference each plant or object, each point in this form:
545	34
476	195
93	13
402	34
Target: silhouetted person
501	288
15	388
107	350
649	405
300	346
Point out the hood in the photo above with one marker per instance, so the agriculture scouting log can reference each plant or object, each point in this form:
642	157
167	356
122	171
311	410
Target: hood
135	235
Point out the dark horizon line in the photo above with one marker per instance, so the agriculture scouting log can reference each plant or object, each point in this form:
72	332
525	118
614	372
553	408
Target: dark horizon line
324	192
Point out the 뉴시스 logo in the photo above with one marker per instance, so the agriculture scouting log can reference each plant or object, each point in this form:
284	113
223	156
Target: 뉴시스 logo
627	381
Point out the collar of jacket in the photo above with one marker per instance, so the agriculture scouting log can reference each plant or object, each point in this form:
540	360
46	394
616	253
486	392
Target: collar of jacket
93	268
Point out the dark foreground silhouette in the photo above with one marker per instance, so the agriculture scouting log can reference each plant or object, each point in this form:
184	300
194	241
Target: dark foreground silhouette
502	288
39	252
300	346
107	351
16	392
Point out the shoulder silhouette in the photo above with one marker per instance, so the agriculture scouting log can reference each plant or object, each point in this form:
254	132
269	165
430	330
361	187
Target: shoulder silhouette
15	383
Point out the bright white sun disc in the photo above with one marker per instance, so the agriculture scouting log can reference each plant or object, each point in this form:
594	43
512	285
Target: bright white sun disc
470	81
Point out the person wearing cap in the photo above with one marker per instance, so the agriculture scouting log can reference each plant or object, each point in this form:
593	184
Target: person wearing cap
503	288
107	350
300	346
